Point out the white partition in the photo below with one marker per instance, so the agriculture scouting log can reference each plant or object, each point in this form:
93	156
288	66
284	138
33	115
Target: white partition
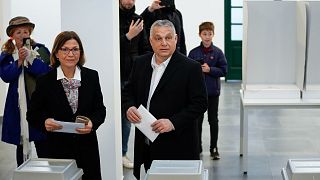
274	45
312	86
96	22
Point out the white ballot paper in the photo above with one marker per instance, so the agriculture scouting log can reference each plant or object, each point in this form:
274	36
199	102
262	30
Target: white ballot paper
69	127
145	124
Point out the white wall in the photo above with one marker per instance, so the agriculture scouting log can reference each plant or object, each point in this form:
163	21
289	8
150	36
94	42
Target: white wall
194	13
96	22
3	86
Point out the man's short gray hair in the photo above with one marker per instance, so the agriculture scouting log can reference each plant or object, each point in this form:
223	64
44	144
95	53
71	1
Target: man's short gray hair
162	23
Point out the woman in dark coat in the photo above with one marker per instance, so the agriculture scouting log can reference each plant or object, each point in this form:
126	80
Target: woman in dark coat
63	94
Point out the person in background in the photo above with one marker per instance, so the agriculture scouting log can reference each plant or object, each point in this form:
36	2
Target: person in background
160	10
214	66
133	42
20	64
172	88
68	91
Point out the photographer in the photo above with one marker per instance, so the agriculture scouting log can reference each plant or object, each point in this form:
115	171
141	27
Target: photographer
166	9
133	42
20	64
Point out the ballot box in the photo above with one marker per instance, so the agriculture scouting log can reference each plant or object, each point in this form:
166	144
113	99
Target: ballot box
48	169
177	170
298	169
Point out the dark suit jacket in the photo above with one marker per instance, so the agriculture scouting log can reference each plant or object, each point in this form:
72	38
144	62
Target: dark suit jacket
49	101
180	96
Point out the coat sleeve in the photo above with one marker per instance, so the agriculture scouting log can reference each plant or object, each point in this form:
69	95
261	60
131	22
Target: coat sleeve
99	111
220	68
9	70
127	96
196	98
36	110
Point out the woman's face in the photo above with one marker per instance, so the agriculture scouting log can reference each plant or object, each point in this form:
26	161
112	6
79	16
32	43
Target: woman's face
69	54
19	33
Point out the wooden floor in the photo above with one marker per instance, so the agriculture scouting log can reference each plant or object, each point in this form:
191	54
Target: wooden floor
274	137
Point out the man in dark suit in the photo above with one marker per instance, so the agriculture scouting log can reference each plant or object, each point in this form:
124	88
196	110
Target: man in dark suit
172	88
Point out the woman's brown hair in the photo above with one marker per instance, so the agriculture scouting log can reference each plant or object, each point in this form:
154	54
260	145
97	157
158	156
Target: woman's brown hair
60	40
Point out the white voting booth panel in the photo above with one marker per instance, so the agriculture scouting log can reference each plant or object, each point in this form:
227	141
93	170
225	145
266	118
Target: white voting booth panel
274	45
312	85
48	169
298	169
177	170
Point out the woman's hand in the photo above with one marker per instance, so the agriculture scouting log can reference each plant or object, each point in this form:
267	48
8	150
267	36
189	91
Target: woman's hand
51	125
87	128
23	53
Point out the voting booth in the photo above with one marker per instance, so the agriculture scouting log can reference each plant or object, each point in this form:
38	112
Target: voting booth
48	169
298	169
274	46
177	170
312	84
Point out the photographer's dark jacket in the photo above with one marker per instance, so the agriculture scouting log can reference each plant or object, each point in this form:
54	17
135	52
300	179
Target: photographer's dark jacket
172	14
130	49
217	62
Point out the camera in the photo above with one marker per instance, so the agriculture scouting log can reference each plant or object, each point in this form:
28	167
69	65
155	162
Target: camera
136	18
167	3
27	42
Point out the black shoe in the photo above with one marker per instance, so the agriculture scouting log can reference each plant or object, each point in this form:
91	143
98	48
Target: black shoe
215	154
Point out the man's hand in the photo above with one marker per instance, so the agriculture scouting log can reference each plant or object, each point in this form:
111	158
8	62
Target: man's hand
162	126
135	28
133	115
155	5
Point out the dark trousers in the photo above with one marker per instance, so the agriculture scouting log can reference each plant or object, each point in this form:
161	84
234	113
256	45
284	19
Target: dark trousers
213	103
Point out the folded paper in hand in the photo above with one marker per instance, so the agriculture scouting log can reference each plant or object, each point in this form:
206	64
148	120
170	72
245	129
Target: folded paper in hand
69	127
145	124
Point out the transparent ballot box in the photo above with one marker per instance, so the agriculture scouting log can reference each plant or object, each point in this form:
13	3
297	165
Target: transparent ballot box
298	169
48	169
177	170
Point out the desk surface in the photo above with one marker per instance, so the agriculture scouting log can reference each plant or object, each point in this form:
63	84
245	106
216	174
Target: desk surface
278	102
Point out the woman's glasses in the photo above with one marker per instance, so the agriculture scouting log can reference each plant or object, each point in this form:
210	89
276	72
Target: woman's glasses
66	51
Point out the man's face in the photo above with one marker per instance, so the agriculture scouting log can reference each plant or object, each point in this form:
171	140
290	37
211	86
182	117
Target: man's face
126	4
163	42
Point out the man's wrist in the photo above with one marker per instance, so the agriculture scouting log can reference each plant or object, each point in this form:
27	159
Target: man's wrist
128	38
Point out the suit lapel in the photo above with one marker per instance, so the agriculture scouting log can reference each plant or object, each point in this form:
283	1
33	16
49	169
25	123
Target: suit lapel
170	69
147	75
61	95
81	89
